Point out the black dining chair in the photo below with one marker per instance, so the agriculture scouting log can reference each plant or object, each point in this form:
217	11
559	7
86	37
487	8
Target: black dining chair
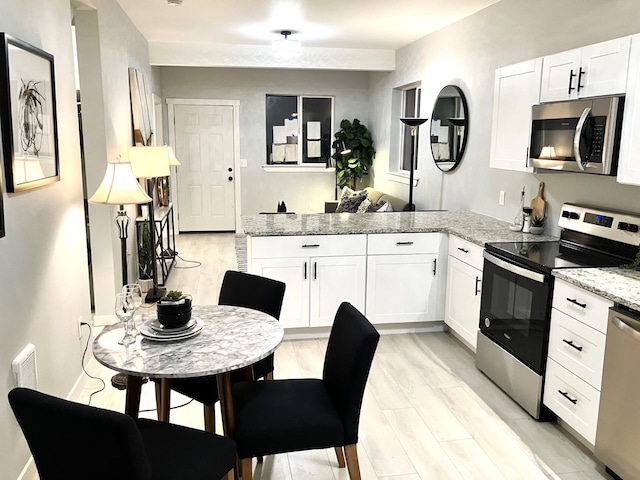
307	414
241	290
73	441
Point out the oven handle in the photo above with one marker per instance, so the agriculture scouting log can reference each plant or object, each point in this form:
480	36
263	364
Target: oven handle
523	272
578	135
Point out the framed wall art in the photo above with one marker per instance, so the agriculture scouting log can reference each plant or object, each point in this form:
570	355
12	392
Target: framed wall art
28	115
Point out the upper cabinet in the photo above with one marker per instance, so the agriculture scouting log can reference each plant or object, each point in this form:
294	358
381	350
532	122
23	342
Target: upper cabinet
595	70
516	90
628	160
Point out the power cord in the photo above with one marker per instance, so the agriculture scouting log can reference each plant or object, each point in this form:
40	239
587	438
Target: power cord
188	261
170	408
85	370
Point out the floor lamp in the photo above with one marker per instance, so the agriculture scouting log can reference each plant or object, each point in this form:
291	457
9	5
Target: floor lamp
120	187
150	163
414	123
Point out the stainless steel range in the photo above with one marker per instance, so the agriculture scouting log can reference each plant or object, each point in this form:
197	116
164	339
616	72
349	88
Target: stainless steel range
517	288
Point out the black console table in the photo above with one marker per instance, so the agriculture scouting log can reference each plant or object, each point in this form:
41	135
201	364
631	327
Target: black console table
165	236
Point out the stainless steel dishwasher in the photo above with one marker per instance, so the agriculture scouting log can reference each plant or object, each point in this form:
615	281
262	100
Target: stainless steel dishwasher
618	434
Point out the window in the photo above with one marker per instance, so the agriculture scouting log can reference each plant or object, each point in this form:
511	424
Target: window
410	108
299	129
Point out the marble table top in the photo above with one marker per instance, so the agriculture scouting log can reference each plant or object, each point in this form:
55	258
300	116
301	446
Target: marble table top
231	338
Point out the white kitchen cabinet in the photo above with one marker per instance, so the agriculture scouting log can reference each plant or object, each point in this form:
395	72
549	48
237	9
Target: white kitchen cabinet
463	293
577	340
628	160
516	90
405	277
591	71
319	271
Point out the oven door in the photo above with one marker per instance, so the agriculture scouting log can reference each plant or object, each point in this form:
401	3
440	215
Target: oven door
515	309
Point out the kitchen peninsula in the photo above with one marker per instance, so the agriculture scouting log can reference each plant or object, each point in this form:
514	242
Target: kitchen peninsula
395	267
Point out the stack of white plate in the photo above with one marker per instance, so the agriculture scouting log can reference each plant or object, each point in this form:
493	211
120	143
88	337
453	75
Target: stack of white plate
154	330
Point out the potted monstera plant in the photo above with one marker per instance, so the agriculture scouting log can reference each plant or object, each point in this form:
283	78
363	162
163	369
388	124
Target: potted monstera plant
354	152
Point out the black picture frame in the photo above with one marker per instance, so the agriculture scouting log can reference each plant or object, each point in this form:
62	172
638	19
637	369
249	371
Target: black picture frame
28	116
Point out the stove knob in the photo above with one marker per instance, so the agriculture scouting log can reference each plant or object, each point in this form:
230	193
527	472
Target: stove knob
574	216
565	213
623	226
633	228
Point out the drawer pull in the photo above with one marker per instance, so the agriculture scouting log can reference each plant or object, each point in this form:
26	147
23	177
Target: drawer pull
477	283
435	263
566	395
305	270
404	243
571	344
311	245
575	302
315	270
463	250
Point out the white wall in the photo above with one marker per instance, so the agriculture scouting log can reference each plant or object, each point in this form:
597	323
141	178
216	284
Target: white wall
44	285
108	44
261	191
467	54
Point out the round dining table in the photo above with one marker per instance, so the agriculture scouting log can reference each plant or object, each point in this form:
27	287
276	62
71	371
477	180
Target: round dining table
231	338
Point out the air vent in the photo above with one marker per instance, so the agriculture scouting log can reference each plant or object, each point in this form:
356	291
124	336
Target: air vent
25	373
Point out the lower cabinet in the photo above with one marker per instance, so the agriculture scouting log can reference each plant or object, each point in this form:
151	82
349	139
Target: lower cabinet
320	273
464	283
577	340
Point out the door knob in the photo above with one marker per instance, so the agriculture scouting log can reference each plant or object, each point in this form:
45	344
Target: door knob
230	169
230	178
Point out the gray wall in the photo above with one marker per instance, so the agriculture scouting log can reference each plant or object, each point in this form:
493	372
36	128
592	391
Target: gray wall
467	54
44	286
261	191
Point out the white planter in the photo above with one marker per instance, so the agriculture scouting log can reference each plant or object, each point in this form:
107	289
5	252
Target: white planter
145	284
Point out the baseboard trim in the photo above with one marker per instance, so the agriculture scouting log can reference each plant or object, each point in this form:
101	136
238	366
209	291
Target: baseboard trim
384	329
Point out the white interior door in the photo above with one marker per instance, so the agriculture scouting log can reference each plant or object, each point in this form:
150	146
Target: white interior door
205	181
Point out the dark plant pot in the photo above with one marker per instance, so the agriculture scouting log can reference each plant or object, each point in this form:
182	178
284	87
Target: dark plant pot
174	316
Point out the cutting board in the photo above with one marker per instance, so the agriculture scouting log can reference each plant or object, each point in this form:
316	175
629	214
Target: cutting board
538	204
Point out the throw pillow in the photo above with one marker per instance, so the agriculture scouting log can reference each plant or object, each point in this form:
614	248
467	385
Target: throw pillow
386	207
365	206
350	200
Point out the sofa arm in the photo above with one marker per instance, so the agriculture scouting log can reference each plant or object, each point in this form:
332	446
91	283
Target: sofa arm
330	207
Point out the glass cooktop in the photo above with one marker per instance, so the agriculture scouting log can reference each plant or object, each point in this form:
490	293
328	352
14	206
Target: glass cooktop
546	256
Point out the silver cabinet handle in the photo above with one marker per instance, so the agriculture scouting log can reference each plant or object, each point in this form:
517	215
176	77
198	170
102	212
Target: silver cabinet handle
523	272
576	138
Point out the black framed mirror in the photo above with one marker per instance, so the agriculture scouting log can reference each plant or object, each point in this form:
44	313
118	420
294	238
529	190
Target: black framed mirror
449	128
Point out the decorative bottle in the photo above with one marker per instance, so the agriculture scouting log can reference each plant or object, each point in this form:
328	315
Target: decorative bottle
518	220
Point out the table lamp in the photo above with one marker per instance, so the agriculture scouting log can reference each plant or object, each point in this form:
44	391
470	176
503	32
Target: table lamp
414	123
150	163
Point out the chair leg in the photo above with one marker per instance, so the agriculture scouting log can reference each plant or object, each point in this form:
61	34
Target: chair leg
210	418
269	376
340	456
230	475
351	452
163	401
246	465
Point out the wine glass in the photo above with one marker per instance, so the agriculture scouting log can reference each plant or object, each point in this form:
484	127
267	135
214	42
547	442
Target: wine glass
124	311
135	291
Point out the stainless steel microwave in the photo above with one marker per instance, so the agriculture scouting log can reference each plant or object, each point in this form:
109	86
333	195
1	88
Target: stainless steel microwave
577	136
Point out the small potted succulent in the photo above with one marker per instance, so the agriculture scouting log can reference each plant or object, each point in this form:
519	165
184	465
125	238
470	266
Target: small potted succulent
537	225
174	309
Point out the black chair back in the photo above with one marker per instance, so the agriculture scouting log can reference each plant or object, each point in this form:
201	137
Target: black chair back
352	344
75	442
252	291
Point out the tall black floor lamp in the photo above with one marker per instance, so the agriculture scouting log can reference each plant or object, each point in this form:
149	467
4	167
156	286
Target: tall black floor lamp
120	187
414	123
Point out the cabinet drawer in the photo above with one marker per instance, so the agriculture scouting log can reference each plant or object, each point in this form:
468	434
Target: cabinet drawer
468	252
404	243
308	246
577	347
585	306
582	415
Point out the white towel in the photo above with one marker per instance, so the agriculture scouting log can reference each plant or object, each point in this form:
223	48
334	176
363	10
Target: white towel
314	148
278	153
313	131
279	134
291	153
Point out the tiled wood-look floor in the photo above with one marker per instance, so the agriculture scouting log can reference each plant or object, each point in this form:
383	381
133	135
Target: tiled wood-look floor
428	414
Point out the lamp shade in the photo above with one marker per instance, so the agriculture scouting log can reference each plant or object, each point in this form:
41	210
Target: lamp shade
413	121
285	48
173	161
150	162
119	186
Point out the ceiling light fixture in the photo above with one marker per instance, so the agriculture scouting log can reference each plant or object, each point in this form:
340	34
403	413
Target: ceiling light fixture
174	3
285	48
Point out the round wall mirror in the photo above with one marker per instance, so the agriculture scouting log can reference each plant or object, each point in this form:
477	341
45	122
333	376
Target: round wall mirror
449	128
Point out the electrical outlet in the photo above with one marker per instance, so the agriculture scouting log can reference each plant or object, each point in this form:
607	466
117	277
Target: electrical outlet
243	162
80	322
501	201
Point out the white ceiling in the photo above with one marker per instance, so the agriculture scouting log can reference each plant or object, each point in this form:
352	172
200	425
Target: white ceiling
359	24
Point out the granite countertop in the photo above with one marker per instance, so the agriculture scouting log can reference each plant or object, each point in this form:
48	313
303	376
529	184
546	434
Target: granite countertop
615	284
473	227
